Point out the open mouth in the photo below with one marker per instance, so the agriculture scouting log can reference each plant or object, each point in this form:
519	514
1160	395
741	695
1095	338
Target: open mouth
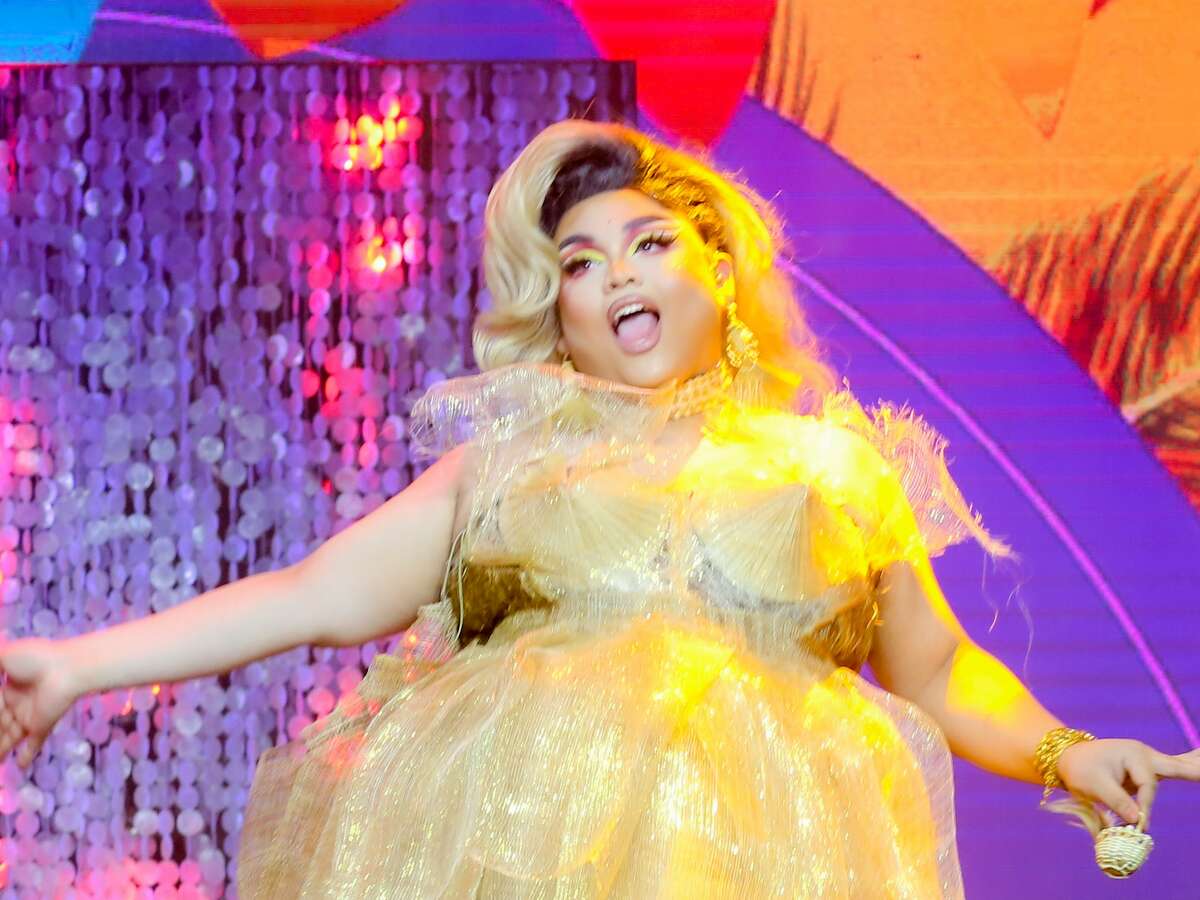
636	323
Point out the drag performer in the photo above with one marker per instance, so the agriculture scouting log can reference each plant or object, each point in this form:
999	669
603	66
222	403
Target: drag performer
659	542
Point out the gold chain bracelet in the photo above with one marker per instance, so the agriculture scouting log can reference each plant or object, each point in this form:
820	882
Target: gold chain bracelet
1048	751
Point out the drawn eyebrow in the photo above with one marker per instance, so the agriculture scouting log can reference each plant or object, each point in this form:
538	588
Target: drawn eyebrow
631	225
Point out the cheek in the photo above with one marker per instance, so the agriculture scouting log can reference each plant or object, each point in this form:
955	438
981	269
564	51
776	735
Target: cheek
687	273
696	303
703	317
570	307
577	310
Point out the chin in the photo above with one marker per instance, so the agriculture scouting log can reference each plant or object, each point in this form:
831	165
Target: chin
649	371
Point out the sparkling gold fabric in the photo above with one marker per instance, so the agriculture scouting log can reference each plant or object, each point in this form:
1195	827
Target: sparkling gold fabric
653	687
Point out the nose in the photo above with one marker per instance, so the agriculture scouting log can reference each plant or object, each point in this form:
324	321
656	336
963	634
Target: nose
620	273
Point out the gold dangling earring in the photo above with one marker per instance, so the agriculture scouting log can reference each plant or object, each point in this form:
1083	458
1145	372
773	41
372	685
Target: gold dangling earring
741	345
567	364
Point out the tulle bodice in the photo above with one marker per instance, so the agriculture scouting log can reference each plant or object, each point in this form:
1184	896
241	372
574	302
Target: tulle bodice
774	525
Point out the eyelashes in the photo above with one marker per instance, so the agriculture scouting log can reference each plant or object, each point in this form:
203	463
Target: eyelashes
578	261
584	259
655	238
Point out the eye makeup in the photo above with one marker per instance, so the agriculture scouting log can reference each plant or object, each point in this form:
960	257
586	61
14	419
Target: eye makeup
583	258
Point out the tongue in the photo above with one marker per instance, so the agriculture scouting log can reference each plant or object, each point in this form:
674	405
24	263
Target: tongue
637	331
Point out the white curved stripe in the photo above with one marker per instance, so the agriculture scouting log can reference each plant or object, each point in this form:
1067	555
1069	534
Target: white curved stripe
1161	680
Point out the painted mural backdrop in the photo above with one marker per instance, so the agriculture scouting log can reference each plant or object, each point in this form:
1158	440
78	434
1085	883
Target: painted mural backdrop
992	215
1052	143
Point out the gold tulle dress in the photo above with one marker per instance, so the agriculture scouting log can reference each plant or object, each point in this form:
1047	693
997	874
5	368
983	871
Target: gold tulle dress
641	678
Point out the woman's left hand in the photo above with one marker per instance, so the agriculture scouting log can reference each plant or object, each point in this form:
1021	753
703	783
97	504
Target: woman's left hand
1114	771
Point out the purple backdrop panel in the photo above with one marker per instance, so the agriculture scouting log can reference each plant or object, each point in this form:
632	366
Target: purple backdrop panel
1108	543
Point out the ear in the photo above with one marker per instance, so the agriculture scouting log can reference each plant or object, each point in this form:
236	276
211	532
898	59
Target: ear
722	268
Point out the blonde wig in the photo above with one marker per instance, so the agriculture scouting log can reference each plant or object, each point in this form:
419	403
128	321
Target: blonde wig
521	264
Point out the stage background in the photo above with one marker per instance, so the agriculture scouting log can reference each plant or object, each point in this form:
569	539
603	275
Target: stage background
218	294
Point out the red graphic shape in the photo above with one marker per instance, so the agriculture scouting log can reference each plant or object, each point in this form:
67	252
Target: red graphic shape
692	59
271	29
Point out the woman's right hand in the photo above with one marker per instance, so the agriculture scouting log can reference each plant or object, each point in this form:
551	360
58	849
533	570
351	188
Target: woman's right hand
37	689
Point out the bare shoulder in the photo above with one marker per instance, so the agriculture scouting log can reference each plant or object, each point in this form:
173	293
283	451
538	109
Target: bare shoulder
458	472
388	563
446	476
447	484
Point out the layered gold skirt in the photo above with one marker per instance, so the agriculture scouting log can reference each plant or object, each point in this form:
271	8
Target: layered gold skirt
650	757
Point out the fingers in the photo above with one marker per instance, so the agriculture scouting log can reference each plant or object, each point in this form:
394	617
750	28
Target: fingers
1184	765
11	731
29	750
1142	774
1108	790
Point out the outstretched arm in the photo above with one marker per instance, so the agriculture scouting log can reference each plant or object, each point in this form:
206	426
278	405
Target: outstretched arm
989	717
365	582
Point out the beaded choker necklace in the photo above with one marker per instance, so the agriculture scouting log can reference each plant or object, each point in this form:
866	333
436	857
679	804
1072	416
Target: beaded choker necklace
701	392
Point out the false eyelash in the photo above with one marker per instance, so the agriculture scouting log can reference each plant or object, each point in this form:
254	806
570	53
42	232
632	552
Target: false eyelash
659	238
575	264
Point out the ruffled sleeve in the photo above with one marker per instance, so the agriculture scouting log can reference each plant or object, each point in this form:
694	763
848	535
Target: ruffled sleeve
485	408
912	503
493	407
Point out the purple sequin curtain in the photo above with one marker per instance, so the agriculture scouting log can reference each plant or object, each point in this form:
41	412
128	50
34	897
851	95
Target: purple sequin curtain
220	289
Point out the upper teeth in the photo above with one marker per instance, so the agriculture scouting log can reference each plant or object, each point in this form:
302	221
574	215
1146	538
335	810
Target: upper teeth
628	310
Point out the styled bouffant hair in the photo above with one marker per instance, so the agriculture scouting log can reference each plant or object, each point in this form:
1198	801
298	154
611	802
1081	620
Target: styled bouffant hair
591	169
573	160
